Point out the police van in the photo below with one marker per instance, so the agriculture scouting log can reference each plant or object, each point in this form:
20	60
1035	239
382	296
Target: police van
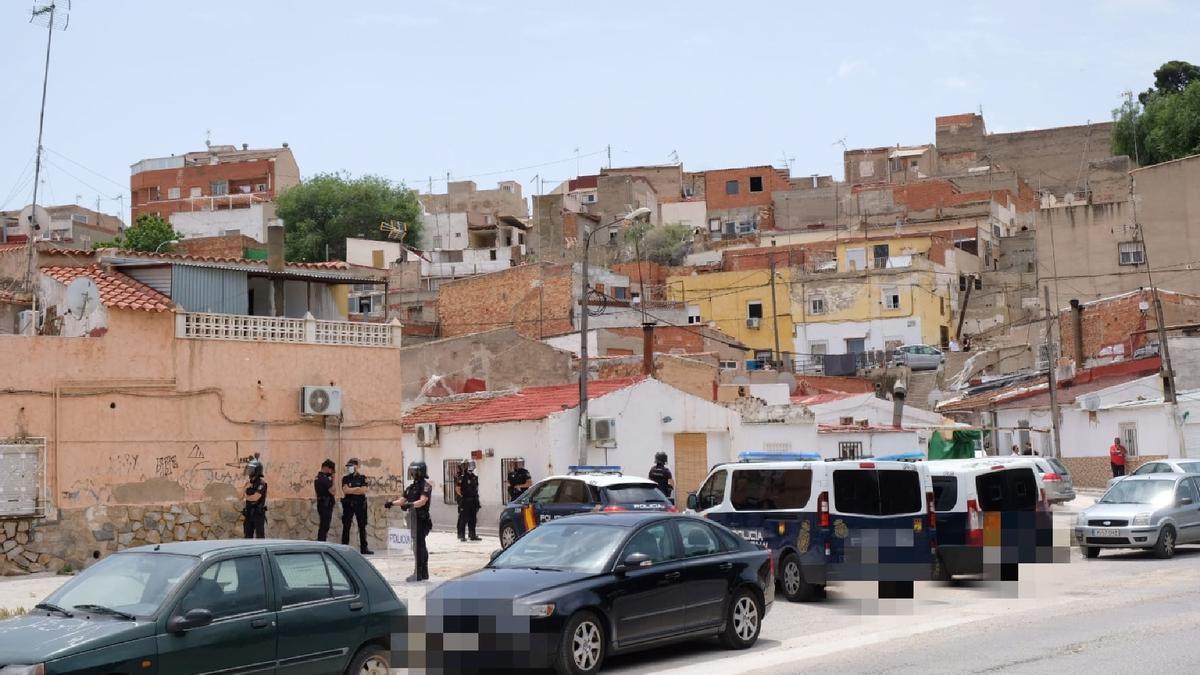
827	520
581	490
990	516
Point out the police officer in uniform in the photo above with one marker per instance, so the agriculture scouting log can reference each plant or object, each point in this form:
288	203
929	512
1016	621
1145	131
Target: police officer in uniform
415	501
354	505
519	480
660	474
323	484
466	490
255	510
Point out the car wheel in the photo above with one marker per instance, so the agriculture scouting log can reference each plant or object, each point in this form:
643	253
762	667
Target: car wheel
1091	552
1165	546
744	621
791	579
939	572
582	648
508	534
370	660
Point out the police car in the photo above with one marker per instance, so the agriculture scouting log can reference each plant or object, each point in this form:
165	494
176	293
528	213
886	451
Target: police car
828	520
583	489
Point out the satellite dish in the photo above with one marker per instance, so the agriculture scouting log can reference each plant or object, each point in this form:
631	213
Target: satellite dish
82	297
32	219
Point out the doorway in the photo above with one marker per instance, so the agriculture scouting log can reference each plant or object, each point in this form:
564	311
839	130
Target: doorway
691	464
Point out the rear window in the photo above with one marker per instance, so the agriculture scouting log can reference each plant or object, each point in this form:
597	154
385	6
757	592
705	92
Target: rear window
877	493
634	493
768	489
1190	467
1008	490
1058	466
945	493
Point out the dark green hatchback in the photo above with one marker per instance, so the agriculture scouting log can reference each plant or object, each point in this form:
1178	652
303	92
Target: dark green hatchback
242	606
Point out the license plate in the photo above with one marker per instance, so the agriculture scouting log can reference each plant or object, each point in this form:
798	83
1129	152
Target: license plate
1106	533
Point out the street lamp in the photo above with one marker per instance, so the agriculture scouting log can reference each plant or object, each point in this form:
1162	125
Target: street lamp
166	243
633	215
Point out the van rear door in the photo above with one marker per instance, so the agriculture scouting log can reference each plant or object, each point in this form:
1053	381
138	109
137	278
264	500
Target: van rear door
879	525
1012	522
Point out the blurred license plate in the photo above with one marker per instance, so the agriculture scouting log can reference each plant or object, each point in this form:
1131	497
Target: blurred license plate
1106	533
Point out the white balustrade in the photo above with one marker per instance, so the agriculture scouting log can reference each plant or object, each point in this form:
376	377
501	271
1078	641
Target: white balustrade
241	327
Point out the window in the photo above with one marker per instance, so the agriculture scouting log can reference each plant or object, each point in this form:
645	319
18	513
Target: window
194	192
900	492
1131	253
945	493
152	194
173	193
891	298
1009	490
310	577
1187	488
630	493
768	489
730	229
572	492
620	292
876	493
698	538
714	224
693	316
756	184
218	188
731	187
1128	434
507	465
816	305
83	217
260	187
712	493
228	588
437	241
818	348
856	259
544	493
754	310
849	449
881	253
656	541
941	306
449	474
729	365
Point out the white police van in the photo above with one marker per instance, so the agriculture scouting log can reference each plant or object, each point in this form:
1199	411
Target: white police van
828	520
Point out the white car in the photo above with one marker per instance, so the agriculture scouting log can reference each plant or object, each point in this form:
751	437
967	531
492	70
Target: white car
1053	476
1162	466
918	357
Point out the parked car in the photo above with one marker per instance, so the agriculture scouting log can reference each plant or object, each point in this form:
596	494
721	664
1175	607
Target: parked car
583	489
1162	466
1156	511
580	589
918	357
212	606
1053	476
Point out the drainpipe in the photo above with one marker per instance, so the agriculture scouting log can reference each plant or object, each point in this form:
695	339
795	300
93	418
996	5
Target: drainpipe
275	264
1077	327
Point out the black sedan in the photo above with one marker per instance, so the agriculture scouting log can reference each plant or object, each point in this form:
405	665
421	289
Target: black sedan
576	590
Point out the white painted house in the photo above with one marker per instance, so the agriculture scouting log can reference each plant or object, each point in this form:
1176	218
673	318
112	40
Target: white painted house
539	425
856	425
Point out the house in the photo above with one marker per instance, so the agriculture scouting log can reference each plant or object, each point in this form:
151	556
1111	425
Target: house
216	191
464	196
639	417
857	425
740	304
70	223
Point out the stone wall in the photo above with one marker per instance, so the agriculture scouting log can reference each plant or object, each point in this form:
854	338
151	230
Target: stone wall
79	537
1094	472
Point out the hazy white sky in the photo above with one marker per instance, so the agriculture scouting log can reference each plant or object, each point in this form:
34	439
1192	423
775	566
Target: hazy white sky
410	90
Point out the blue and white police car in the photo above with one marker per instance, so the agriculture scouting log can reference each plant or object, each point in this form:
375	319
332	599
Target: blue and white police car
582	490
828	520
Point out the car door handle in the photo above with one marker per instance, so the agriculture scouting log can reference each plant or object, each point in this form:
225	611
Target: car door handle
260	623
725	566
356	605
672	576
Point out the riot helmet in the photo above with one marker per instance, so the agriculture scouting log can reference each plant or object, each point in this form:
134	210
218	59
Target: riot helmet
254	468
660	457
417	471
470	466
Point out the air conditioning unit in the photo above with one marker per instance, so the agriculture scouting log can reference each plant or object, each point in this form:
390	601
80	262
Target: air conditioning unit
846	421
427	434
320	400
602	429
29	322
753	322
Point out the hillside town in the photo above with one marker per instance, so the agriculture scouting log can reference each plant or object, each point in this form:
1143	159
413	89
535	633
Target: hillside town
964	294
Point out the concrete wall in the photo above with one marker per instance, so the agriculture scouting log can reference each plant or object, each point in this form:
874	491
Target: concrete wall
667	180
465	196
363	252
689	213
445	231
496	359
250	221
872	442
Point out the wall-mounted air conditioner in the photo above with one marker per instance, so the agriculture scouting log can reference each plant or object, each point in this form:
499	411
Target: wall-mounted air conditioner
321	400
427	434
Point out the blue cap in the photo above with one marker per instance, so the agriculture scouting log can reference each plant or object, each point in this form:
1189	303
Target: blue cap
588	468
901	457
779	457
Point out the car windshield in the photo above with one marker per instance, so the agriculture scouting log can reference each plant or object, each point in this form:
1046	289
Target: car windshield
635	493
1153	492
567	547
133	583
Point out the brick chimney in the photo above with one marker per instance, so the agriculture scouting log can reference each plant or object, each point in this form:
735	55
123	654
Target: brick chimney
275	264
648	349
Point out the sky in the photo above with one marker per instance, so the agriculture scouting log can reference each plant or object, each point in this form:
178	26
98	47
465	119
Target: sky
538	91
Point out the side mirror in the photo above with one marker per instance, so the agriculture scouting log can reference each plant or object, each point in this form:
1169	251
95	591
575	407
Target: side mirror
195	618
634	561
1185	501
693	502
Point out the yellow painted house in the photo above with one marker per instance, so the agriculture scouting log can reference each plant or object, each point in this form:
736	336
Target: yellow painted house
740	304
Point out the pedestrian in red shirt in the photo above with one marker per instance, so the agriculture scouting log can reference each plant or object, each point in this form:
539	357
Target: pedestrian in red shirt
1116	455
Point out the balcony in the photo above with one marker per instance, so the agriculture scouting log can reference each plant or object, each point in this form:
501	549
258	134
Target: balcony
308	330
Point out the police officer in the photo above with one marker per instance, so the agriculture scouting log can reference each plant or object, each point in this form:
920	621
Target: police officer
466	490
255	510
660	474
416	500
519	480
354	505
323	484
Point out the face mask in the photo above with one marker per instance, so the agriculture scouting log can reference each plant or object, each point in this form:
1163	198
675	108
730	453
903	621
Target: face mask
351	470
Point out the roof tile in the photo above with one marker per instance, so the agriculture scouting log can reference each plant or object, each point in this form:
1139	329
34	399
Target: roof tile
116	289
532	403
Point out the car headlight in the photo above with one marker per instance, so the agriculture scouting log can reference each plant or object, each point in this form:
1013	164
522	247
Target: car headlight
1141	519
538	610
1081	520
37	669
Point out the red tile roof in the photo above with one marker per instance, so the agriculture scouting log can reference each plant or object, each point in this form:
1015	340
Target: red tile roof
184	257
833	384
5	248
532	403
946	120
116	289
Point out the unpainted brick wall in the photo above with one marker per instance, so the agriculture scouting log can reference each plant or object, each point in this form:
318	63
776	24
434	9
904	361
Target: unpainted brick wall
536	299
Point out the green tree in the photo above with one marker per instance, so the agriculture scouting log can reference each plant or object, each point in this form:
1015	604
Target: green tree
149	233
327	208
1171	77
1165	122
664	244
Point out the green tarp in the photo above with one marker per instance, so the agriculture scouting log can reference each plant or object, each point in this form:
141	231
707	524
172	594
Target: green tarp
961	447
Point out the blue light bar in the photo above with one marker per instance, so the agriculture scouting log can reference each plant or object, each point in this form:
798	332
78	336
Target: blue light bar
901	457
587	468
779	457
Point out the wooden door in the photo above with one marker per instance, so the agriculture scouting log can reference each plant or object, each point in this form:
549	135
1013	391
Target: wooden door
691	464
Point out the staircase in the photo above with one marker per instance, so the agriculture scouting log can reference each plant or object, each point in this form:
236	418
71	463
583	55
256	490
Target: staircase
920	385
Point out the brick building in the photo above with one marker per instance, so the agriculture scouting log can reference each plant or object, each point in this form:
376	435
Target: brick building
537	299
736	198
1118	327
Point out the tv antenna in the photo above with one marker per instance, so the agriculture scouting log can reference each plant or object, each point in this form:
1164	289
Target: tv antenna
674	157
83	297
394	229
787	161
54	15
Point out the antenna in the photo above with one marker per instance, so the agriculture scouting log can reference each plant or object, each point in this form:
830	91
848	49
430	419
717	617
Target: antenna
674	156
787	161
82	297
54	15
394	229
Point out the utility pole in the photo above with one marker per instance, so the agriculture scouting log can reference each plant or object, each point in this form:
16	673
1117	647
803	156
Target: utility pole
774	314
1057	452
